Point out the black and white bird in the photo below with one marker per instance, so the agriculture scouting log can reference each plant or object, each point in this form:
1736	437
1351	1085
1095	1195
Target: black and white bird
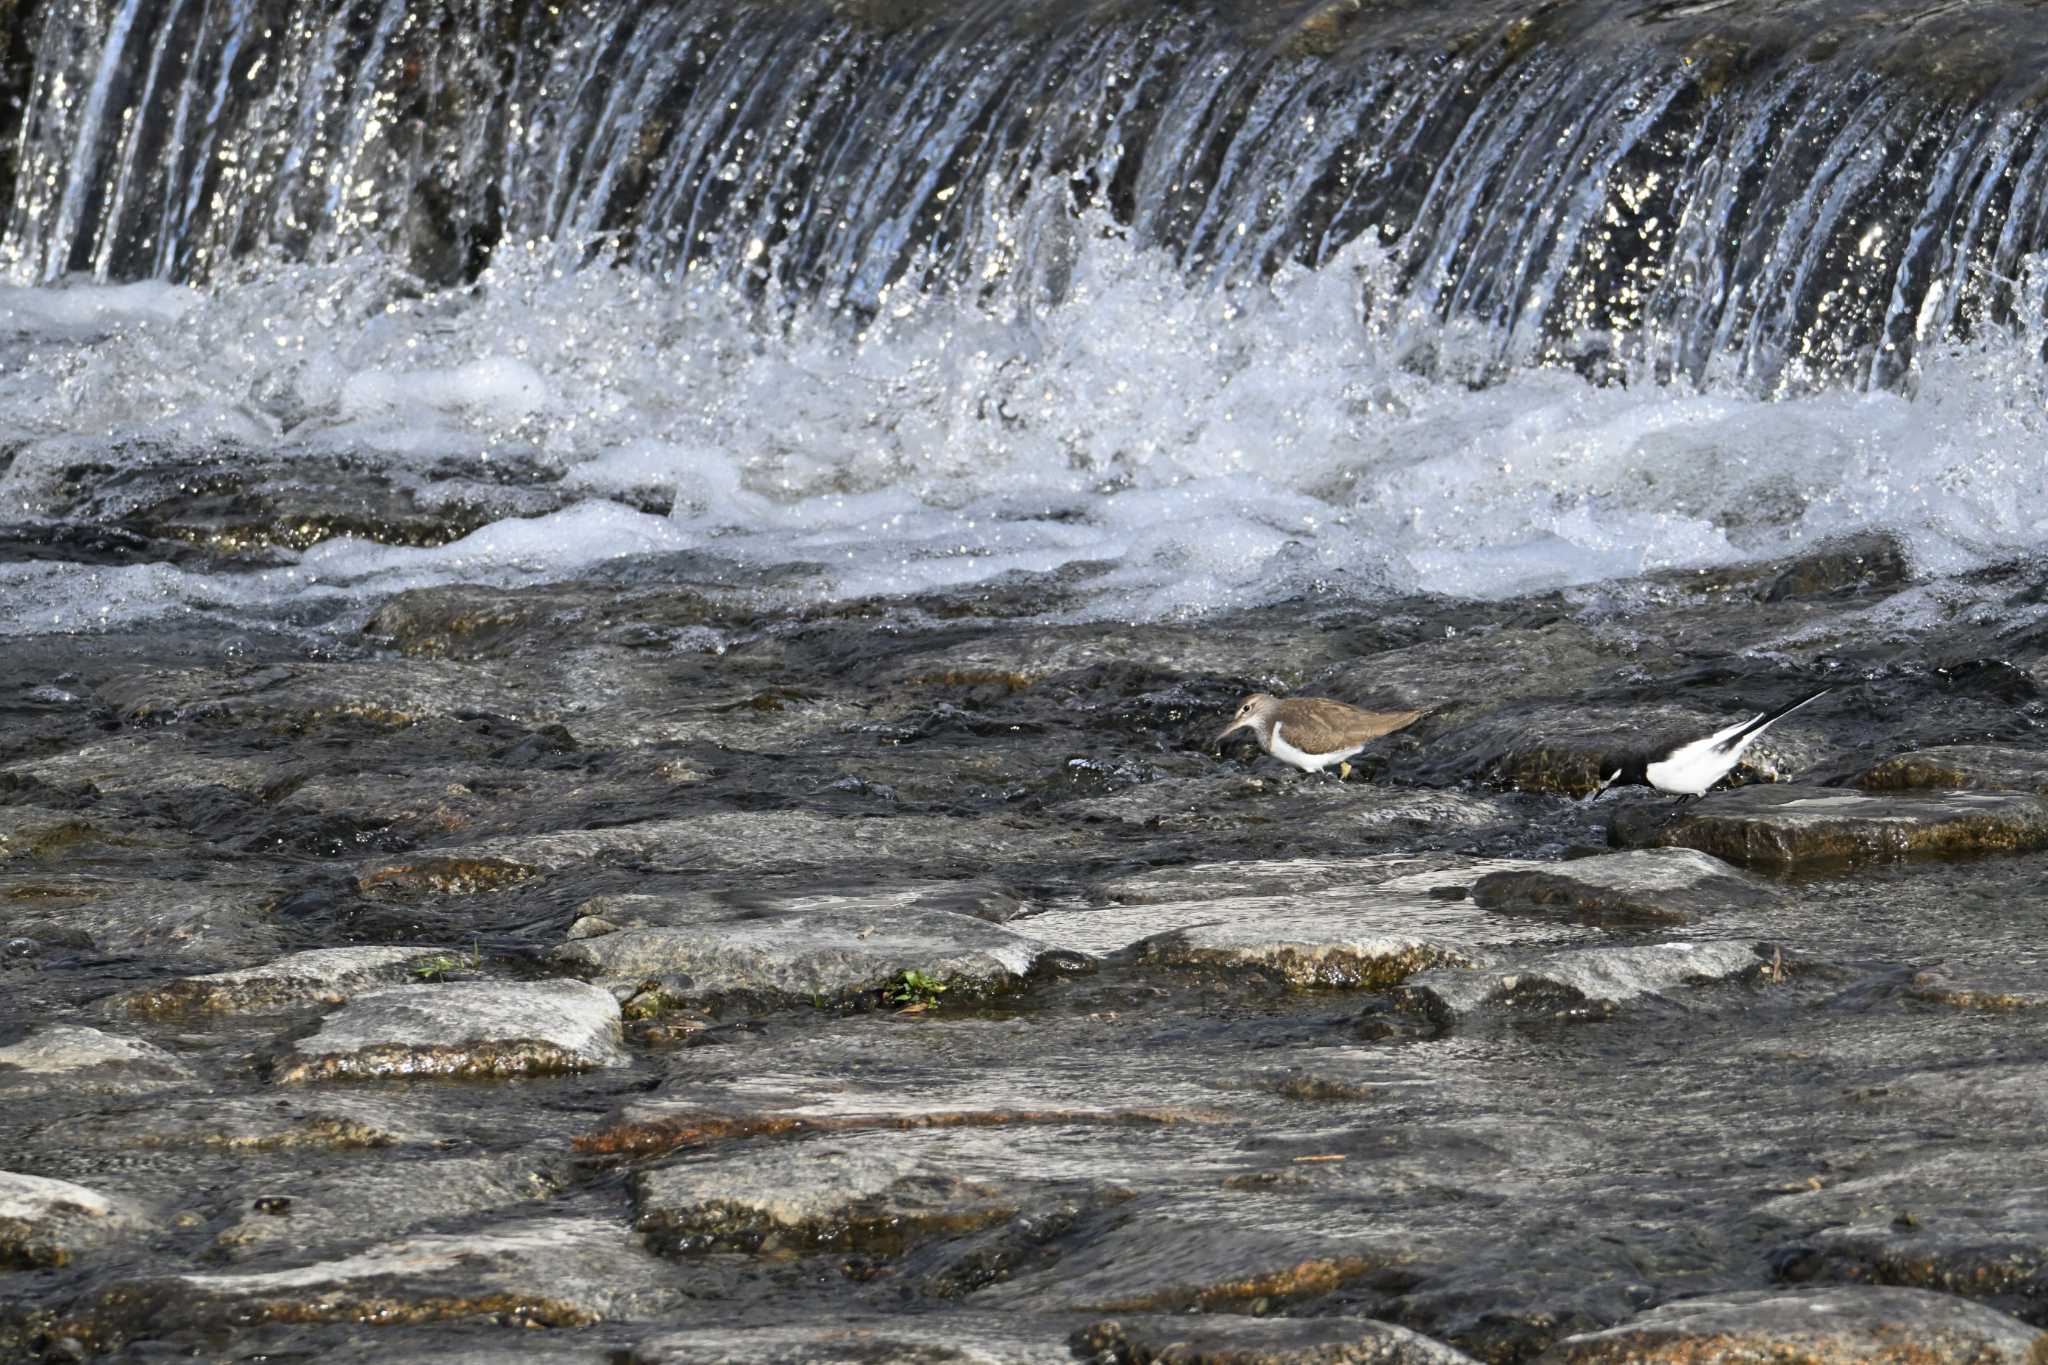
1687	770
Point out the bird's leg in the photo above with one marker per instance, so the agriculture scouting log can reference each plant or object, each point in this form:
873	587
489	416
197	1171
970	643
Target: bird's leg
1343	771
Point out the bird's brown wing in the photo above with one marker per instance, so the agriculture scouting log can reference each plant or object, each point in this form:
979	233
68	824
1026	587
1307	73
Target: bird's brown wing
1318	725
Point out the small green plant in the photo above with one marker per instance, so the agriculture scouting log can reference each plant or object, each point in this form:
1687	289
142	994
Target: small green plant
442	965
916	991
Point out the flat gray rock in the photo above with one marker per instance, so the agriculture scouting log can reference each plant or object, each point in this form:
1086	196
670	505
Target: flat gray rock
1817	1325
1580	981
45	1223
73	1058
462	1029
1788	825
1979	767
321	976
1658	885
831	954
1228	1339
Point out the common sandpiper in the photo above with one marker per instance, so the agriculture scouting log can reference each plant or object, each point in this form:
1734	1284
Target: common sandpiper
1313	732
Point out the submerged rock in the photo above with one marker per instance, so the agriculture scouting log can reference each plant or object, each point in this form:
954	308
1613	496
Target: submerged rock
1979	767
875	1194
1227	1339
825	955
321	976
1662	885
46	1223
71	1058
463	1029
929	1339
1369	937
540	1272
1980	990
1881	1326
1785	825
1581	982
333	1212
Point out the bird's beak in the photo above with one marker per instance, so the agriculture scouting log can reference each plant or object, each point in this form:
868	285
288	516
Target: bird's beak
1227	731
1601	790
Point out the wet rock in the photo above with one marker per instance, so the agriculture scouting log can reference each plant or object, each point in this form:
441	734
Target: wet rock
1999	992
1786	825
171	919
297	698
757	842
1225	1252
1872	563
1963	1220
1895	1326
1658	886
84	1059
953	1339
45	1222
1226	1339
464	1029
147	765
1583	982
874	1193
321	976
820	955
29	833
1979	767
330	1123
540	1272
323	1214
1569	749
467	621
655	1128
1370	937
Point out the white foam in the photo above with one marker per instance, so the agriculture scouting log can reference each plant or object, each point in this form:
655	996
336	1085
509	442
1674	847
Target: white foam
1213	446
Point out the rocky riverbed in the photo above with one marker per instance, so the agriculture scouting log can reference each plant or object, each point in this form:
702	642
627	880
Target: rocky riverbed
700	975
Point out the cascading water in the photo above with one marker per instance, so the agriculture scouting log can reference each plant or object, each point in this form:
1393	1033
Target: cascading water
1244	302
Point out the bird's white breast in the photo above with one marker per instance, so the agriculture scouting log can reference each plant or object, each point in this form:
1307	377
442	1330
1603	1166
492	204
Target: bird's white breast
1307	762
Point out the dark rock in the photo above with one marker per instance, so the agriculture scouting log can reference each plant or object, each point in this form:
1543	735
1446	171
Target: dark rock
1785	825
1658	886
1820	1326
480	1029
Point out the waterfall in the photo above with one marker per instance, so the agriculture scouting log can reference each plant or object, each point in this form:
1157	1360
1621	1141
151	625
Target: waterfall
1781	197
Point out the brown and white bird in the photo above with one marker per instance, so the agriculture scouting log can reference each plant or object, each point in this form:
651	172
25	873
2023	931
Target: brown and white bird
1313	732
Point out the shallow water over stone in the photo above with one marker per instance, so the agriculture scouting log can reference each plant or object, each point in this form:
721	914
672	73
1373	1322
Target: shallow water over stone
944	982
